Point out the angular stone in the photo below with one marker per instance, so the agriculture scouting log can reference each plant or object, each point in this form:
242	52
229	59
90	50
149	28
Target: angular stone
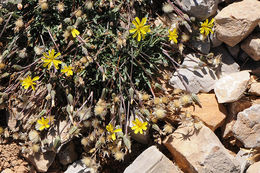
255	89
211	113
230	88
202	46
254	168
152	161
243	158
247	127
67	154
41	161
215	42
251	46
200	151
195	79
234	51
236	21
78	167
201	9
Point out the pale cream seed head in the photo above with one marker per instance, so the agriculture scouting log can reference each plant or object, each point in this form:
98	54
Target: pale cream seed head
36	148
160	113
78	13
44	6
19	23
84	141
60	6
87	161
119	155
168	128
34	136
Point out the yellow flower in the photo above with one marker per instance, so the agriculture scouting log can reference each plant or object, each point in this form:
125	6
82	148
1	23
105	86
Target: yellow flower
173	35
206	27
44	123
50	59
67	70
29	82
140	28
74	32
111	130
139	126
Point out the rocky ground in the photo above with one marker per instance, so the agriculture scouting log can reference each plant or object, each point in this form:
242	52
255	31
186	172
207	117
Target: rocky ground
226	138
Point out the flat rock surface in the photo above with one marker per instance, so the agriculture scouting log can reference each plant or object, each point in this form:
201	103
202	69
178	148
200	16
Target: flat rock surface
236	21
247	127
152	161
230	88
200	151
211	113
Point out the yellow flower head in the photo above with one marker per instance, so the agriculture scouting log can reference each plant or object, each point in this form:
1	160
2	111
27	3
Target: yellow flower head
43	123
140	29
67	70
111	130
206	27
139	126
74	32
173	35
50	59
29	82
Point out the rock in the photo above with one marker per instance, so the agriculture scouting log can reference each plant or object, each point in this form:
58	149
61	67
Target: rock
255	89
78	167
254	168
41	161
67	154
247	127
233	108
195	79
200	151
236	21
215	42
251	46
152	161
142	138
211	113
202	46
234	51
230	88
228	64
201	9
243	158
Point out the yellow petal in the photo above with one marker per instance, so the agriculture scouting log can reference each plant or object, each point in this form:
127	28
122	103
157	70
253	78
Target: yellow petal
35	78
113	136
137	20
132	30
139	36
118	130
143	21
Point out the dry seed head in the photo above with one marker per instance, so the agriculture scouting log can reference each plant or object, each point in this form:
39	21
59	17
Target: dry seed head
66	34
78	13
44	6
177	104
89	4
167	8
34	136
1	130
22	53
165	100
185	37
15	136
119	155
87	124
156	100
2	66
38	50
181	47
83	60
1	20
102	140
95	123
36	148
159	112
177	91
60	6
100	110
168	128
19	6
185	99
19	23
87	161
84	141
144	96
92	136
6	133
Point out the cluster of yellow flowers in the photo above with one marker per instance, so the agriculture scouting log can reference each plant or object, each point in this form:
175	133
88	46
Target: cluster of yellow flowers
49	61
141	29
138	127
